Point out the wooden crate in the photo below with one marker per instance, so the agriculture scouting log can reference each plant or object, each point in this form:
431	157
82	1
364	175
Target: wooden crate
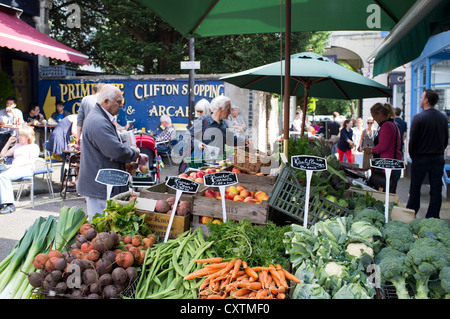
212	207
158	222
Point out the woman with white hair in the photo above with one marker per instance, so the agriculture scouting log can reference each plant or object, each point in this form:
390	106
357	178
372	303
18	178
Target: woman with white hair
202	107
24	154
211	129
168	134
236	121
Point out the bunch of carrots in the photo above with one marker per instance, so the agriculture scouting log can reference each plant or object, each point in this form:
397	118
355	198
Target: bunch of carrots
235	279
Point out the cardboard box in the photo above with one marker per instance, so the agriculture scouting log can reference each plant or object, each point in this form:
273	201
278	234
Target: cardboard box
381	196
402	214
158	222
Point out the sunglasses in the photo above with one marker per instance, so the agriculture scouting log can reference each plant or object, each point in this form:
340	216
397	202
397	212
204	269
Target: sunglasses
369	122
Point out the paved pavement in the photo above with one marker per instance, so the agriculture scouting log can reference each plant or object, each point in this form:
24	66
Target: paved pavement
12	226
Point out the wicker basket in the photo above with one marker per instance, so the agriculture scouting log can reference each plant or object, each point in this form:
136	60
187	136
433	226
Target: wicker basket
250	162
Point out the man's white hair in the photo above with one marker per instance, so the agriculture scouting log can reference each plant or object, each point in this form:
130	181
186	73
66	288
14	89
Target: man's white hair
219	101
107	92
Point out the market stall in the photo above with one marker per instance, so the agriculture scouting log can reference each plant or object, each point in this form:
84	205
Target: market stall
169	241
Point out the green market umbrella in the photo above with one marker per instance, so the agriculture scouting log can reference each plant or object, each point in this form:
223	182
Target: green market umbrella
311	75
203	18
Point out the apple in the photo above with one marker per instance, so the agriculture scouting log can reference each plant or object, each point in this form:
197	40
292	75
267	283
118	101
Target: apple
261	195
217	221
235	170
199	180
231	196
184	175
238	198
232	190
239	188
144	169
200	174
210	171
259	174
218	195
250	200
205	219
209	193
193	175
244	193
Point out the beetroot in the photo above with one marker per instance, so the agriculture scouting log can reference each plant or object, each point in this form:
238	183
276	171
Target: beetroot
162	206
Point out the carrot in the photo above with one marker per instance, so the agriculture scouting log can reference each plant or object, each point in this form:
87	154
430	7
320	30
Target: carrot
274	273
204	284
261	279
290	276
268	279
249	285
273	289
196	274
261	294
209	260
215	296
252	273
282	289
236	267
217	265
281	296
260	268
283	281
240	292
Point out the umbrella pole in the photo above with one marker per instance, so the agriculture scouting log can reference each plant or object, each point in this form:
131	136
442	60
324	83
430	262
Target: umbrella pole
306	84
287	74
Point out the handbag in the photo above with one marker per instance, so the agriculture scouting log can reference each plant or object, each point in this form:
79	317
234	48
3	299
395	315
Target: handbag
366	160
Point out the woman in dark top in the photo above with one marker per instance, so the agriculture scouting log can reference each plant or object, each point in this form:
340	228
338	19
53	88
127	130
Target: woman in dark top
345	144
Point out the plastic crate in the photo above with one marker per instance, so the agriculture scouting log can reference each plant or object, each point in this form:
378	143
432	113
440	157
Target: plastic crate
288	197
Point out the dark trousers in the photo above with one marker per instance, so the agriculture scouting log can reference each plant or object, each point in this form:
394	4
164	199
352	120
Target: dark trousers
434	166
3	139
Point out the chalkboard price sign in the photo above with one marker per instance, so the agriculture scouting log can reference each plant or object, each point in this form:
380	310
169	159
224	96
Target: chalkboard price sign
113	177
182	184
220	179
309	163
387	163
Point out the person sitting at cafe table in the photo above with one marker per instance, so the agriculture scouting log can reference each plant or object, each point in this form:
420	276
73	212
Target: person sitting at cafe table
60	137
33	116
60	112
167	134
8	116
24	154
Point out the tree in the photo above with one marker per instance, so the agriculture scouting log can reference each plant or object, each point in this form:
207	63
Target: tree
125	37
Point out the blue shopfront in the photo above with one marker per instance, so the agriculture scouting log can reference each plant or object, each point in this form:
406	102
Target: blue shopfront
145	100
432	71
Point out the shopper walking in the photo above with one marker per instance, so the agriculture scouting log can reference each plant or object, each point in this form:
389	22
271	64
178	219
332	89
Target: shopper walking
428	139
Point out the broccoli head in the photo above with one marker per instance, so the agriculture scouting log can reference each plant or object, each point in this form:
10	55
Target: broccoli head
393	269
371	215
397	235
444	277
431	227
424	262
386	251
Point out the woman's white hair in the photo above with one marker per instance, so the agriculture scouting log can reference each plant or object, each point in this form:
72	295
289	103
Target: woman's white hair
219	101
203	106
107	92
166	118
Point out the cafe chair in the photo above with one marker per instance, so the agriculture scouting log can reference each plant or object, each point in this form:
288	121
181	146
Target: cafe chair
40	167
70	172
168	151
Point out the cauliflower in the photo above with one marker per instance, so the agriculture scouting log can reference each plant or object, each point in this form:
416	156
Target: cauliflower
334	269
357	249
